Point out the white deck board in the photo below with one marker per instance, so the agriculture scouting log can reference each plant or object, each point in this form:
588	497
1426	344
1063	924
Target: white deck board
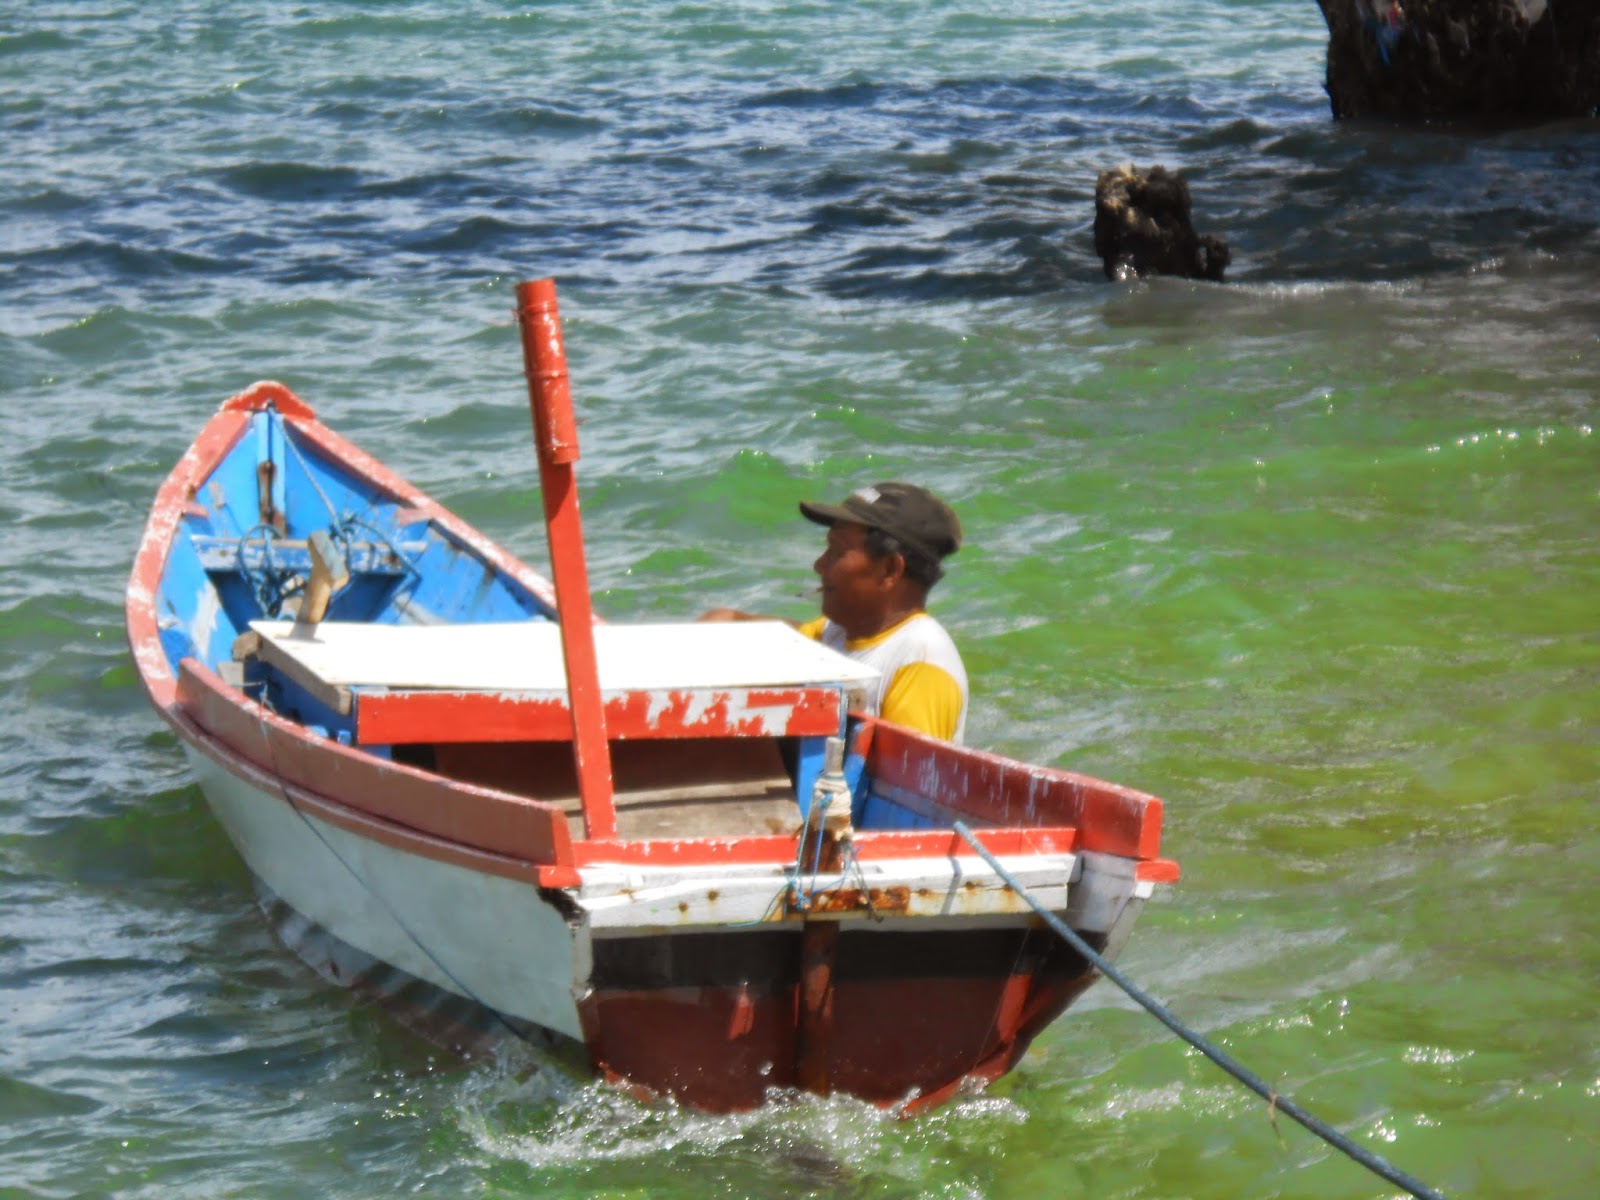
526	656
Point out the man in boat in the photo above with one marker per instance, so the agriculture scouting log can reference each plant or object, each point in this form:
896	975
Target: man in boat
886	546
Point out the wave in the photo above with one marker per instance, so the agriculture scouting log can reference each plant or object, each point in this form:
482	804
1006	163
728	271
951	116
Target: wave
289	181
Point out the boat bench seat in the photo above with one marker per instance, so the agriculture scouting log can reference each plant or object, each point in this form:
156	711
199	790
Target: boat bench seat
232	555
505	682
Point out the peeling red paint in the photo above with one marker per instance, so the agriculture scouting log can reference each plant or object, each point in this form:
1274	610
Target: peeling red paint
987	790
399	717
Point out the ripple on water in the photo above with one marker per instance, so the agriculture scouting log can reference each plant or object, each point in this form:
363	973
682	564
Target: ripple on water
550	1126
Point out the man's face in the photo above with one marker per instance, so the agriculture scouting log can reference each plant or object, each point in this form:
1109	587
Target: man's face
856	587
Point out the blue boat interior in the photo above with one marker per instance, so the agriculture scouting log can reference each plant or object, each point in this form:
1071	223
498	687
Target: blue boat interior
243	552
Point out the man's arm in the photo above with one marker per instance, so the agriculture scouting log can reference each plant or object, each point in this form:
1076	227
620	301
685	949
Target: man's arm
734	614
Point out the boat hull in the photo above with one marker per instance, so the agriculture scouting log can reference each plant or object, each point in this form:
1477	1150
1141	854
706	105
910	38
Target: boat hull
896	1017
715	1017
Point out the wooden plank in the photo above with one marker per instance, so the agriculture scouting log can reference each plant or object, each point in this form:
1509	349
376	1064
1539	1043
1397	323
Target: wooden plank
411	717
716	787
279	654
525	656
739	811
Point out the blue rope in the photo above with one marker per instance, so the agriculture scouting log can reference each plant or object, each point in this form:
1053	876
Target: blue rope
802	895
344	530
1212	1051
272	584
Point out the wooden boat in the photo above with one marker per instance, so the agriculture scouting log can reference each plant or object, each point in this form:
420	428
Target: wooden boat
673	850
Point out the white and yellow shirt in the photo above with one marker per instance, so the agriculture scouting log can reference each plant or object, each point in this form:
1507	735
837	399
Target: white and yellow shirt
922	683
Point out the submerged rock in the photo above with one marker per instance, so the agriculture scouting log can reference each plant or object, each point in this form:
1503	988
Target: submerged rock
1142	227
1535	59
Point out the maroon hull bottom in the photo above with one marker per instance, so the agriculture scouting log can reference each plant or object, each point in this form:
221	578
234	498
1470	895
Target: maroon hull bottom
897	1019
717	1019
720	1051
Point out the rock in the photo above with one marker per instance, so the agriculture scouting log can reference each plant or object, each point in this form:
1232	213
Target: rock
1142	227
1445	59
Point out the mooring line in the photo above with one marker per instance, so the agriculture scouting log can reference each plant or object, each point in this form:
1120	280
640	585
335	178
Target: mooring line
366	885
1211	1050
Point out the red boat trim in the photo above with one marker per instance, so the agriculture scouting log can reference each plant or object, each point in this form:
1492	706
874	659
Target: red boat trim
401	717
871	846
265	394
366	825
172	502
463	814
482	819
901	843
414	810
984	788
1154	870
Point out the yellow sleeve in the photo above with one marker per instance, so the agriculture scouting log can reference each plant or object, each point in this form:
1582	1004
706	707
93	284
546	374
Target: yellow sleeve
813	628
923	697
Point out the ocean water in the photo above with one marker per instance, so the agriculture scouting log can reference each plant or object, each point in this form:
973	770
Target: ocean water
1311	554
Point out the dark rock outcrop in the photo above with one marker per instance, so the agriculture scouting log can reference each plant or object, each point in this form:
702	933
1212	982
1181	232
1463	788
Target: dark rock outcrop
1463	59
1142	227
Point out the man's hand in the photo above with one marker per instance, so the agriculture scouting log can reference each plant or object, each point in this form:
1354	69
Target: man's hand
728	614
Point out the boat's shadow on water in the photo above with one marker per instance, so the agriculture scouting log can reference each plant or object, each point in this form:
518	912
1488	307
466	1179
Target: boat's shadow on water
470	1031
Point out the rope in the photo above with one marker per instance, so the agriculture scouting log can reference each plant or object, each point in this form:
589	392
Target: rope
803	896
852	864
311	476
342	526
1210	1049
366	885
272	584
343	533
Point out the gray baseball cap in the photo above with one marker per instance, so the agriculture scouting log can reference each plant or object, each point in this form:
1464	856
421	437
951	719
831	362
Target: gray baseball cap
905	511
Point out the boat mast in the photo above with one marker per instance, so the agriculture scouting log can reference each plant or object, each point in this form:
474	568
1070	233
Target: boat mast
555	436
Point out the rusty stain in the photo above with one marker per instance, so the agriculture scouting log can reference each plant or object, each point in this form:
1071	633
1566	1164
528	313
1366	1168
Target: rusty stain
827	858
835	900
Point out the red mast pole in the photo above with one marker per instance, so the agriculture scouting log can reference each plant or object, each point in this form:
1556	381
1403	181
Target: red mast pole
555	435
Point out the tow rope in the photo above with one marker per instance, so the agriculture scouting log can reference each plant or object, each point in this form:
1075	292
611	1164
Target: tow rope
1210	1049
